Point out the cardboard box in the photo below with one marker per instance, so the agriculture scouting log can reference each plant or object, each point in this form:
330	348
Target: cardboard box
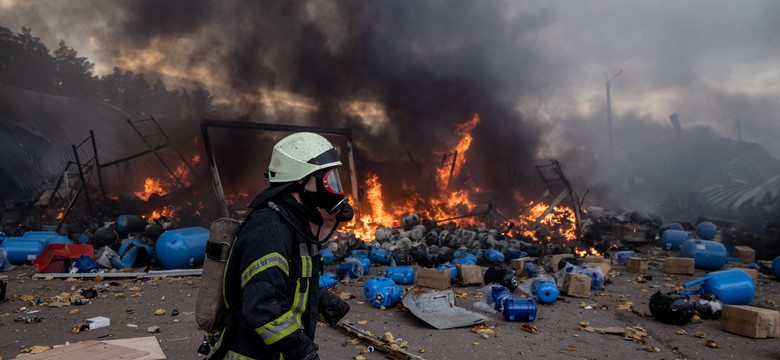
555	259
636	265
750	321
518	265
469	274
433	278
577	285
679	265
746	254
753	275
597	261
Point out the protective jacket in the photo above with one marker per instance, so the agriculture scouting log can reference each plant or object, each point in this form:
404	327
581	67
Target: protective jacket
271	283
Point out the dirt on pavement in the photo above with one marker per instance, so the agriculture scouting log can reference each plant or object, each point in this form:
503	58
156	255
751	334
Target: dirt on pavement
133	306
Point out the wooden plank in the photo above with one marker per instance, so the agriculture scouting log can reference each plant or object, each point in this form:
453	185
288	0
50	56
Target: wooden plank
87	350
148	344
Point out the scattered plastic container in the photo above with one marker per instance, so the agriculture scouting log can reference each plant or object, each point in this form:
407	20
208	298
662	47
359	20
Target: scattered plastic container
364	261
22	251
350	269
530	268
732	287
129	252
465	258
387	296
327	256
453	269
181	248
373	284
545	290
520	309
328	280
493	256
400	274
621	256
706	230
707	255
673	239
670	226
86	264
380	255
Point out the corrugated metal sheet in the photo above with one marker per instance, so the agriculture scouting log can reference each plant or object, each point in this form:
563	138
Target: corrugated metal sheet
38	131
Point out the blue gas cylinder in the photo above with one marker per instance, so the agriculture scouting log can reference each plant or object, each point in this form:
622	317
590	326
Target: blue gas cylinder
327	256
545	290
42	236
520	309
706	230
22	251
453	269
83	239
732	287
673	239
128	253
707	255
373	284
776	267
359	253
328	280
350	269
180	248
401	258
380	255
400	274
621	256
387	296
59	239
493	256
126	224
530	268
364	261
86	264
596	277
499	294
465	258
670	226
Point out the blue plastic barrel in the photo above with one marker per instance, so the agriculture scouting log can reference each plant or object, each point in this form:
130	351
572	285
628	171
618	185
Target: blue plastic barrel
387	296
400	274
670	226
453	269
327	256
776	267
465	258
373	284
493	256
380	255
351	269
623	255
126	224
328	280
22	251
128	253
706	230
182	247
59	239
673	239
530	268
499	294
86	264
732	287
707	255
545	290
363	260
42	236
520	309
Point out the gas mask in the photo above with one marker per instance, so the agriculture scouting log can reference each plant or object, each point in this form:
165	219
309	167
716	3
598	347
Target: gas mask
330	195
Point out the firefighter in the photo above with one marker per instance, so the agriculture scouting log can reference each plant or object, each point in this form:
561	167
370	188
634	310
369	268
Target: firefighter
271	281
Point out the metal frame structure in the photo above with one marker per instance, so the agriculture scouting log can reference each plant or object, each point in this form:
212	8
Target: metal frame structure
215	178
555	167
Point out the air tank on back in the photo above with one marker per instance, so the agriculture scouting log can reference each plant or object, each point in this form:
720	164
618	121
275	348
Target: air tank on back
181	247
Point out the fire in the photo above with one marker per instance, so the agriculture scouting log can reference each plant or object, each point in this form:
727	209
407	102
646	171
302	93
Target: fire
151	186
445	204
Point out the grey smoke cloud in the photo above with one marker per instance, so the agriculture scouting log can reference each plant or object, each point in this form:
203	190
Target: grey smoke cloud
533	71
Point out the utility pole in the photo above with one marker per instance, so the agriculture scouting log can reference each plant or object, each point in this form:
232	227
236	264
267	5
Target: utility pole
609	118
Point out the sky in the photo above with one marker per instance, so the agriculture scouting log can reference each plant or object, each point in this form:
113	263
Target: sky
404	72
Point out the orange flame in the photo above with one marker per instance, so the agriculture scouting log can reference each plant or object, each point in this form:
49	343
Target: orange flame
151	186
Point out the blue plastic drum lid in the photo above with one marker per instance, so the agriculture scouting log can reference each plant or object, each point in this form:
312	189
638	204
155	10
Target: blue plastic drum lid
706	230
182	247
776	267
400	274
673	239
22	251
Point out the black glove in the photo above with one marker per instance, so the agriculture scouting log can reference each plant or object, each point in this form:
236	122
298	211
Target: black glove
332	308
297	346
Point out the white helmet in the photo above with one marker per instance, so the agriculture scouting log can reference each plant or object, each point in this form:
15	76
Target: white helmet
299	155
